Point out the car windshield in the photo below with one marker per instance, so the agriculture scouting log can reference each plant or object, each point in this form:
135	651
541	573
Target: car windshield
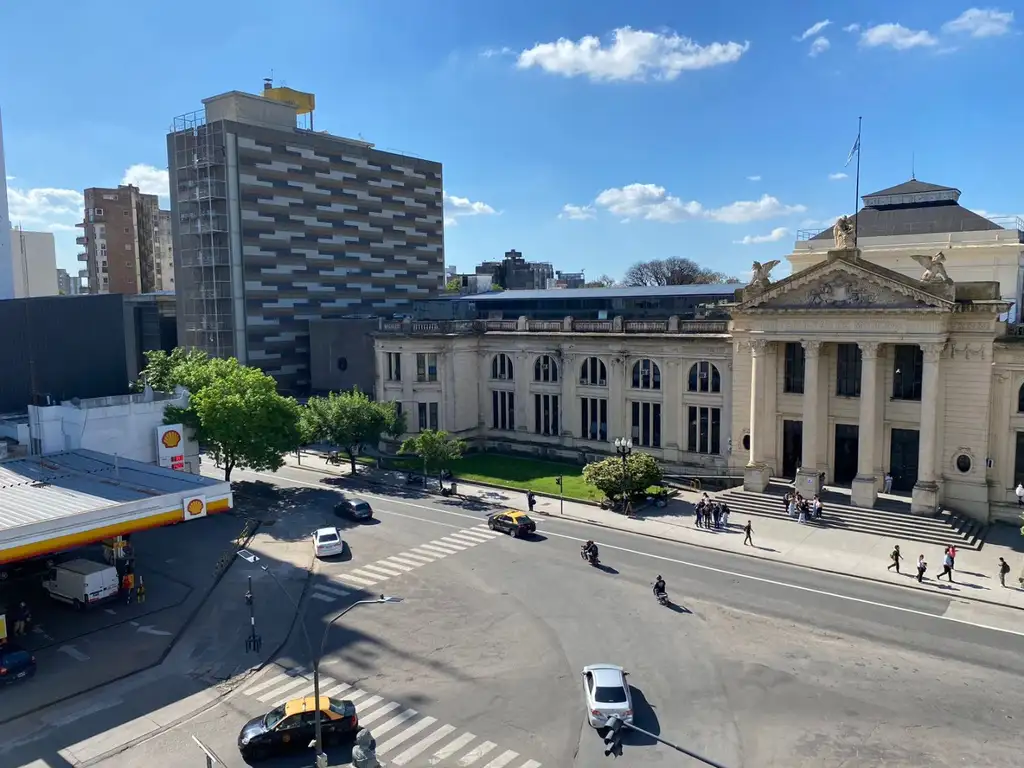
273	717
614	695
328	538
360	505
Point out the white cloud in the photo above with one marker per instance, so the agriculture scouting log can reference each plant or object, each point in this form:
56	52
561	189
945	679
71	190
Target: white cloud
653	203
772	237
576	212
149	179
459	207
814	29
753	178
10	178
896	36
632	55
978	22
819	46
837	176
490	53
855	27
45	207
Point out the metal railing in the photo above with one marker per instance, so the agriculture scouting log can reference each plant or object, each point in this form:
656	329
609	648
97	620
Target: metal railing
1011	223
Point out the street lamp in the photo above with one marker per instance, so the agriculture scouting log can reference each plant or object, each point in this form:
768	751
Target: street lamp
624	447
251	557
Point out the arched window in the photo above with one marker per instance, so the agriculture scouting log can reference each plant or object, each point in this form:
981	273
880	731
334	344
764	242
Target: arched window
704	377
545	369
501	366
593	372
1020	399
646	374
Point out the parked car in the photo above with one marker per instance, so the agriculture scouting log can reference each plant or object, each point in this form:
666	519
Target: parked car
327	542
606	693
354	509
291	727
15	663
512	522
82	582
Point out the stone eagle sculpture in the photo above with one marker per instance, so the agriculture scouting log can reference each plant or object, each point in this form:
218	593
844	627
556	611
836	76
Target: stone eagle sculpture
934	272
759	274
843	234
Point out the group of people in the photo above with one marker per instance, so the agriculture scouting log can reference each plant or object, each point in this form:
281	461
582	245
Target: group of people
713	515
948	565
800	508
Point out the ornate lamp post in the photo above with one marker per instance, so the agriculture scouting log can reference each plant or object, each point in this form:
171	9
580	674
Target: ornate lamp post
624	447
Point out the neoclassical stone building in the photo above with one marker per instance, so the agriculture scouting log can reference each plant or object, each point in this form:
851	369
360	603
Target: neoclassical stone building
845	370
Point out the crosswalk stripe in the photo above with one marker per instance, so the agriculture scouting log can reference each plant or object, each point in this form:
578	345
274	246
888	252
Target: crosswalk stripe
437	552
323	597
390	563
423	744
479	535
477	752
336	690
355	695
276	692
448	541
450	749
394	722
530	764
332	590
407	559
503	759
273	680
463	539
384	711
356	580
325	682
405	735
379	570
370	703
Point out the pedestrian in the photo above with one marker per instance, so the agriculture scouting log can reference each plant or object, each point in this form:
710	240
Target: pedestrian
128	584
803	514
725	515
785	502
699	515
952	554
748	532
895	557
1020	494
20	618
531	500
947	566
922	566
1004	568
818	508
887	483
716	516
140	591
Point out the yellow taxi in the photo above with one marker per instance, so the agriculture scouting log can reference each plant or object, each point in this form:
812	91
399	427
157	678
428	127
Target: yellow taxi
512	522
292	726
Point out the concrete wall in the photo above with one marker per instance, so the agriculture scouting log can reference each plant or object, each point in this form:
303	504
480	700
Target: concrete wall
341	355
34	261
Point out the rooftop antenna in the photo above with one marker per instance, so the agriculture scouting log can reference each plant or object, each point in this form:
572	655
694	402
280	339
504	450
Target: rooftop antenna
913	169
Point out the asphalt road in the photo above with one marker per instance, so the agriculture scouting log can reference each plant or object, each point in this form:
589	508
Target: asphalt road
757	663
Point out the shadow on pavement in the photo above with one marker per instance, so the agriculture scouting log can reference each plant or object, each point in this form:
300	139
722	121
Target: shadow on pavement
644	717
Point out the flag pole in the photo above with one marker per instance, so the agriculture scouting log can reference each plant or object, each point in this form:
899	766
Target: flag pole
856	199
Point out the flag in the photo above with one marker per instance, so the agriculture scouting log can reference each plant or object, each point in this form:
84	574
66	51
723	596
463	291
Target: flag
854	151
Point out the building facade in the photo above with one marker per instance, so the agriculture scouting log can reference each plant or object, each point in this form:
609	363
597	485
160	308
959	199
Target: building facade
515	273
6	262
275	225
34	262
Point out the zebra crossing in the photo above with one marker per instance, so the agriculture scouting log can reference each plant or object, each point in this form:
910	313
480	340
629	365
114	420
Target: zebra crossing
405	737
409	560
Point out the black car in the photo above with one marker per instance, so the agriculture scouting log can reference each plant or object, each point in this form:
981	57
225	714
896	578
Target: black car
512	522
292	726
15	664
354	509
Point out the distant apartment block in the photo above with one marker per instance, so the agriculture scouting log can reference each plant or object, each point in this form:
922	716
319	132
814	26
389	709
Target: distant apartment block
514	273
33	263
567	280
276	226
63	282
125	248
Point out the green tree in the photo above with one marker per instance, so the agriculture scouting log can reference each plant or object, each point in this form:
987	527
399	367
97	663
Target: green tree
436	448
454	285
349	421
642	471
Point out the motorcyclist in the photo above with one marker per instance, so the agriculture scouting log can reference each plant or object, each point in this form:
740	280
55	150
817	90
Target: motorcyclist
590	550
659	586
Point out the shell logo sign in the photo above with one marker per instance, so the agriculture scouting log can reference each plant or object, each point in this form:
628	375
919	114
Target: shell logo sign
194	507
170	446
170	439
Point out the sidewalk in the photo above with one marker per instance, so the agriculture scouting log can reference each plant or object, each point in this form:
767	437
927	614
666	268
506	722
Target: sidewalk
835	551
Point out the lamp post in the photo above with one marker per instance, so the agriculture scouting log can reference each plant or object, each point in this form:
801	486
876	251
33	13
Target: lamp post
250	557
624	447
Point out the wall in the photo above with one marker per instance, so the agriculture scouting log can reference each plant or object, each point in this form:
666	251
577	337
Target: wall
34	256
6	267
341	355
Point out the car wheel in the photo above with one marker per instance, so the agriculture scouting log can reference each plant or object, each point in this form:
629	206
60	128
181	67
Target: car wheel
255	755
490	524
511	532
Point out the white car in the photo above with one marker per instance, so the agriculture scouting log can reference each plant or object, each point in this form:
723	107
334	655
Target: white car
607	693
328	542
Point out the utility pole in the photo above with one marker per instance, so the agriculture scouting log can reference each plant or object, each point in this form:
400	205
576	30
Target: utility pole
253	642
613	740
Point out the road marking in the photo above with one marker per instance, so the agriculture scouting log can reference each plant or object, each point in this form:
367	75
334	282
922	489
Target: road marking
448	541
436	551
395	721
405	735
456	746
469	533
275	680
377	570
336	690
392	563
357	580
444	546
73	652
324	598
407	559
503	759
464	538
530	764
276	692
332	590
477	753
377	714
423	745
324	682
431	552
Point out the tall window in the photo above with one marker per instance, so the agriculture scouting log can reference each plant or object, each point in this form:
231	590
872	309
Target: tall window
908	368
422	413
1018	461
704	430
394	366
704	377
545	369
646	424
593	373
501	366
545	414
1020	399
793	380
847	370
426	366
646	374
503	410
594	418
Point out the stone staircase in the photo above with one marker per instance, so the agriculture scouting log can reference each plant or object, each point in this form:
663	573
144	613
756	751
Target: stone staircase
889	518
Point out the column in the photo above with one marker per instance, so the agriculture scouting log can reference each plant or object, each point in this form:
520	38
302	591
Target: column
569	414
925	496
524	401
865	485
672	387
617	390
756	474
807	477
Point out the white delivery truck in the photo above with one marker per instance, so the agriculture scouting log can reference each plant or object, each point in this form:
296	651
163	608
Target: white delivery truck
82	582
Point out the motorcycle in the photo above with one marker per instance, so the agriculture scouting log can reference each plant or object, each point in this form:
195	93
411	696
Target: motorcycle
662	598
590	557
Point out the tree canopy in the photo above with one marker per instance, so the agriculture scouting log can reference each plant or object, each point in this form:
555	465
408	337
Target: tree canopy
604	281
454	285
642	471
437	448
349	421
673	271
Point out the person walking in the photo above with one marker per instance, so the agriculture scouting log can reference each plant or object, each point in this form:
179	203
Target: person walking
922	566
1020	494
895	557
947	567
128	584
887	483
531	501
952	554
748	532
725	515
140	591
699	515
716	516
1004	568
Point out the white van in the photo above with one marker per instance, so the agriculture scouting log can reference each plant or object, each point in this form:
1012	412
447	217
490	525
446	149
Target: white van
82	582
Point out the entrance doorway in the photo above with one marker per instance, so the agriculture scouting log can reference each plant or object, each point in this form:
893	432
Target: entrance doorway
792	447
847	442
904	450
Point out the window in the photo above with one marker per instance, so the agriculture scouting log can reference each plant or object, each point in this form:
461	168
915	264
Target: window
398	407
98	212
646	424
593	373
127	230
126	213
594	418
793	379
426	366
545	369
704	430
432	411
501	366
342	361
503	410
646	374
394	366
545	414
1018	462
704	377
847	370
1020	399
908	367
422	408
127	246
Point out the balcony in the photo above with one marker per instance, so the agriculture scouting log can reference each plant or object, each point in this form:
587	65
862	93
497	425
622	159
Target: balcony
83	256
200	225
81	240
671	327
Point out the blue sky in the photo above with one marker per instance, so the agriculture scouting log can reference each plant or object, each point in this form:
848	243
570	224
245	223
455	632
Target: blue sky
669	128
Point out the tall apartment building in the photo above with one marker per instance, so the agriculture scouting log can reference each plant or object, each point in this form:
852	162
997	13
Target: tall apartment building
276	225
63	282
6	260
34	263
163	259
121	232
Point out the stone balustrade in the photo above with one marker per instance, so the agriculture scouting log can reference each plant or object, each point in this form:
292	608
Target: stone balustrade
672	326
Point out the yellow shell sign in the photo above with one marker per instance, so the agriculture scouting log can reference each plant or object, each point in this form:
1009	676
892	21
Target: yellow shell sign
194	507
171	438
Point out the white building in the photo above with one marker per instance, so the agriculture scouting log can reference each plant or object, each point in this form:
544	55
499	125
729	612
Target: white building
34	262
6	266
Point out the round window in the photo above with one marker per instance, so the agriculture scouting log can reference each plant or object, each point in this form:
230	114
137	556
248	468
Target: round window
963	463
342	363
746	442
